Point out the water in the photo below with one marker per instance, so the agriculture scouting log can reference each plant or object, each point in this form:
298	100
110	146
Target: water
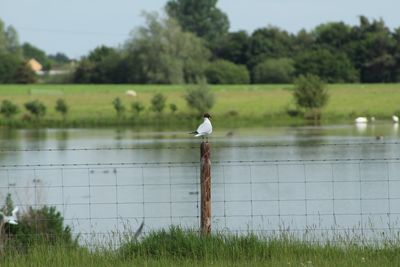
329	178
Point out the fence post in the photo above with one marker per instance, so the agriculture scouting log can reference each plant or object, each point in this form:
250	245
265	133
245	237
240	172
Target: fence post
205	182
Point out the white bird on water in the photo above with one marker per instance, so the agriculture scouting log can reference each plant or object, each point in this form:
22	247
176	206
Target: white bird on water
204	129
361	120
10	219
395	119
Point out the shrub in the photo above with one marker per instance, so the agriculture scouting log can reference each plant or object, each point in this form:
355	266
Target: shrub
36	108
158	102
173	108
62	107
118	106
274	71
310	93
137	107
200	98
36	225
226	72
8	108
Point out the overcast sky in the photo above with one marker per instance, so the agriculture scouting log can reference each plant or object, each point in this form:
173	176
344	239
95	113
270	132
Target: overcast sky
75	27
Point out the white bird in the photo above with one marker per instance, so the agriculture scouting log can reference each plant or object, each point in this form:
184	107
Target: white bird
395	119
361	120
10	219
204	129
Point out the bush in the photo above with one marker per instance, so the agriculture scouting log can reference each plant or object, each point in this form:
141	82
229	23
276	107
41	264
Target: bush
279	70
118	106
226	72
8	108
62	107
137	107
158	102
173	108
36	108
36	225
310	93
200	98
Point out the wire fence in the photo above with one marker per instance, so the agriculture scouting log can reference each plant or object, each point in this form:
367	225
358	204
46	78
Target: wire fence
357	197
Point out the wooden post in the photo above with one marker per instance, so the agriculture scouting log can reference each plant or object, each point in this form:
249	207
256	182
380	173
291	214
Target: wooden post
205	182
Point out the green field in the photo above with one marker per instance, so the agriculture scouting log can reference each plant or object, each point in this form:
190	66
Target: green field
241	105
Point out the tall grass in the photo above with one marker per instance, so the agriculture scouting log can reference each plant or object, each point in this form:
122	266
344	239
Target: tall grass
178	247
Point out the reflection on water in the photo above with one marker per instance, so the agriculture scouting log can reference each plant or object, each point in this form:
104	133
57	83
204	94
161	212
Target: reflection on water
263	179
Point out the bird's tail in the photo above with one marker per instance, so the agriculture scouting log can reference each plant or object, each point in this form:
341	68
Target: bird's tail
195	132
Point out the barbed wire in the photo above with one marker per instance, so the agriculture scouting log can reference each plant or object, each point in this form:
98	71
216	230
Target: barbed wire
301	143
192	163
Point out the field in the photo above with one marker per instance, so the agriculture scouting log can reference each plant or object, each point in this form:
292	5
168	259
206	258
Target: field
178	247
241	105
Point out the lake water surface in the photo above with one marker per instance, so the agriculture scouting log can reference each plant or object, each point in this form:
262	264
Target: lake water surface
325	178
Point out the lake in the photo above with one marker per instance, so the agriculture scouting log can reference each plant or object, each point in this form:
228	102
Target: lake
321	180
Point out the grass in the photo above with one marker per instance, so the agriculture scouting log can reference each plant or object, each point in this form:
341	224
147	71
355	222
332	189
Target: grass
177	247
236	105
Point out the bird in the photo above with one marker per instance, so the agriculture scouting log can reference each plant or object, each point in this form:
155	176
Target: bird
204	129
10	219
361	120
395	119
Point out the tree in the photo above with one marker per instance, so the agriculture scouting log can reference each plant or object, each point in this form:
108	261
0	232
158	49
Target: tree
226	72
30	51
118	106
137	107
62	107
36	108
8	67
162	53
158	102
201	17
269	42
310	93
200	97
233	47
8	108
24	74
279	70
332	68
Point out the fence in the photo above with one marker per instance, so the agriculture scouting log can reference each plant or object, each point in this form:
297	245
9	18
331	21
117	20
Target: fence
321	198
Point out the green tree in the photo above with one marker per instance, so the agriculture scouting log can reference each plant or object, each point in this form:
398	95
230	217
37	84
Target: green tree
333	68
311	94
226	72
24	74
173	108
233	47
137	107
36	108
119	107
160	52
9	64
30	51
62	107
200	98
201	17
272	70
158	102
8	108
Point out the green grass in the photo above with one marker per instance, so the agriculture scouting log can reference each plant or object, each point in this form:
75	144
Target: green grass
177	247
254	105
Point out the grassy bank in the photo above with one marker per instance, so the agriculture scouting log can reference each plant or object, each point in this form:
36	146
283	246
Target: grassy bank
236	105
183	248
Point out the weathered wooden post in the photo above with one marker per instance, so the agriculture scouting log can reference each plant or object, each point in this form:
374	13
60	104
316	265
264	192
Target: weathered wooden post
205	182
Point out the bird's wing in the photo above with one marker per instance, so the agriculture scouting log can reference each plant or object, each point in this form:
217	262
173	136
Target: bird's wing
14	212
205	127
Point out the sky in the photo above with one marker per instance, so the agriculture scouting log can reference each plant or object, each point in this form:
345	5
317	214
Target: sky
75	27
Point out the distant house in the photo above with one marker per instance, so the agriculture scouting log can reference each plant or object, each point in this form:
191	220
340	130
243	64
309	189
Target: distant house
35	65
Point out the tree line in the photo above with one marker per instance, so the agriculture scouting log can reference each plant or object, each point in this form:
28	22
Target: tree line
192	41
